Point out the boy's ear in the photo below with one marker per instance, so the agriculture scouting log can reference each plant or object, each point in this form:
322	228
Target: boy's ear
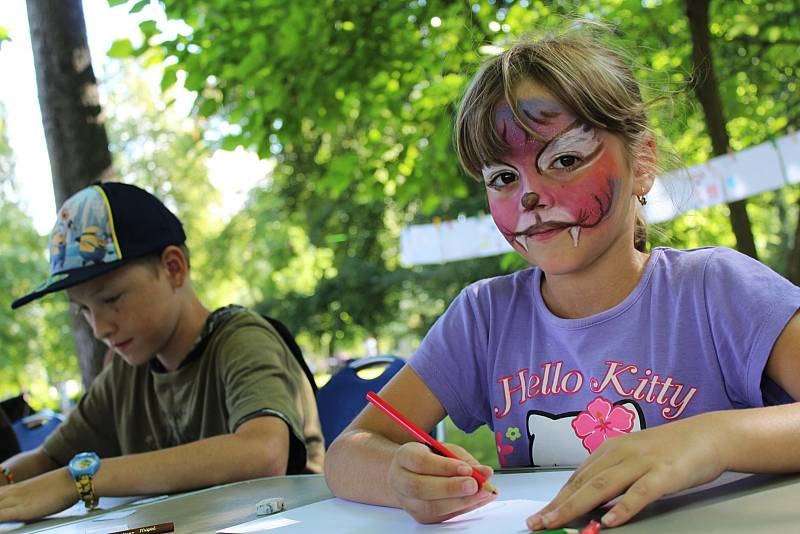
175	264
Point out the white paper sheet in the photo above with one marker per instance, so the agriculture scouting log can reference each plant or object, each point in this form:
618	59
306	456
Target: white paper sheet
521	495
503	516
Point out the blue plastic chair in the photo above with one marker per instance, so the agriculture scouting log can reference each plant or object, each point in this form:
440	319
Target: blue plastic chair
341	399
344	395
32	430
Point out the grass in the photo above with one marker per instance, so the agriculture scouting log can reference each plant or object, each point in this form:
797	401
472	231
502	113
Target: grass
481	443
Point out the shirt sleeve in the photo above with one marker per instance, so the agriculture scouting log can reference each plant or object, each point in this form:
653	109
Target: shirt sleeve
748	306
89	426
451	361
262	378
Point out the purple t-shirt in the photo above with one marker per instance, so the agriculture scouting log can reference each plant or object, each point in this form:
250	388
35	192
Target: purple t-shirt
693	336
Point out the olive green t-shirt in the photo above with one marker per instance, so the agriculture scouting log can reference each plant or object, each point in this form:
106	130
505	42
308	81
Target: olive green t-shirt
244	371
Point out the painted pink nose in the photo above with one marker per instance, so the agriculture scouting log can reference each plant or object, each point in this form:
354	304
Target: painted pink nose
530	200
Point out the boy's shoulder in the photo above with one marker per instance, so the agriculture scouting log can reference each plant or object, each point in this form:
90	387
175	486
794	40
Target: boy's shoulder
233	320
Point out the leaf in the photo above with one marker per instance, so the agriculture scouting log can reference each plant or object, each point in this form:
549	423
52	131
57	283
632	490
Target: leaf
231	142
138	6
149	28
121	48
208	107
340	174
169	77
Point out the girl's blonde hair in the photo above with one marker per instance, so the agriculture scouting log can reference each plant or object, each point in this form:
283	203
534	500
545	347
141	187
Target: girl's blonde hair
587	75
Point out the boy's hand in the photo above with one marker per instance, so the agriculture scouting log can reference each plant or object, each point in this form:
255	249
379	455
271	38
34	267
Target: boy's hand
641	466
37	497
434	488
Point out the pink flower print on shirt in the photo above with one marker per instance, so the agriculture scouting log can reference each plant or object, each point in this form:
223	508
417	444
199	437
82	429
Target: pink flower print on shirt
601	421
502	450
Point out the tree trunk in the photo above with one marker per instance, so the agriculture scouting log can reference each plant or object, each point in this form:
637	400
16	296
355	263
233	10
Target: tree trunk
794	256
73	124
707	90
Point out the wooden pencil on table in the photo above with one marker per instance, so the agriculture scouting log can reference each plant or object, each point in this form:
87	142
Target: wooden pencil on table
160	528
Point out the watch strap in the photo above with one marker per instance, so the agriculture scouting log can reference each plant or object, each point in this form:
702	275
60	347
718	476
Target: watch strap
83	484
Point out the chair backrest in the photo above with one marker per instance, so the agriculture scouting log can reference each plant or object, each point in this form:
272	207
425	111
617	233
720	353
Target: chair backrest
16	407
32	430
344	395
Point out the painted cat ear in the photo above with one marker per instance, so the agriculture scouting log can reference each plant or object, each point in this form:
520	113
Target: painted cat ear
580	142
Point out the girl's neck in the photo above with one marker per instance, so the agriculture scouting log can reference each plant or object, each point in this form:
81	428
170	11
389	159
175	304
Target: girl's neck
598	287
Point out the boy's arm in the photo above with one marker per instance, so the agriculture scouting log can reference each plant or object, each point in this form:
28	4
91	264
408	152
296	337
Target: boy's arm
258	448
375	461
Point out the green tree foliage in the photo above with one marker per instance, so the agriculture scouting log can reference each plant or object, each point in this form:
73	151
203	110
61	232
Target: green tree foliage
158	148
756	45
37	348
354	102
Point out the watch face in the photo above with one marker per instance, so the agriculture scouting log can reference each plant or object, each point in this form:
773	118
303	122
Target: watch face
85	463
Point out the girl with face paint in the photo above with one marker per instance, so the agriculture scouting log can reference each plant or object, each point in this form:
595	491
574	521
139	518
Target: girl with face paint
633	366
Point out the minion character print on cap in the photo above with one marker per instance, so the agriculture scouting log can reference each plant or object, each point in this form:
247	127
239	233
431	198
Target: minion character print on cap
83	234
99	229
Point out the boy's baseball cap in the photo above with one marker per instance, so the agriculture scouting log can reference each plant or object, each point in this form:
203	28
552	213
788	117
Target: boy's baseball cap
99	229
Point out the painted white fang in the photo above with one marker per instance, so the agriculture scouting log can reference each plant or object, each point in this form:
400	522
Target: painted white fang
575	232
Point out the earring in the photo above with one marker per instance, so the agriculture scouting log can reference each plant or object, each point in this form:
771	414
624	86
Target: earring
642	199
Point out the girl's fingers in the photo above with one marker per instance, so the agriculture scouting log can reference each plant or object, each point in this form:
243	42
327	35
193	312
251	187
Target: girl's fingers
641	493
418	458
597	463
486	471
432	488
462	453
585	494
436	511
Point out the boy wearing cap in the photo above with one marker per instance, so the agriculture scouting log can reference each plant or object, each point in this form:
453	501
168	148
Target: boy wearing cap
196	399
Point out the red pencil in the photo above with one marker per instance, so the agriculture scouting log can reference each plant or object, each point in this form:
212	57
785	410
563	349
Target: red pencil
424	437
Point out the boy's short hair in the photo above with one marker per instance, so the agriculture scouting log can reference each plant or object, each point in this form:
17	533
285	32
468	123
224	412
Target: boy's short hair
152	261
101	228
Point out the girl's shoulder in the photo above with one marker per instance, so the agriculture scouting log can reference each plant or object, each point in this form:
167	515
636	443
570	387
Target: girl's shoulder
703	260
504	287
717	269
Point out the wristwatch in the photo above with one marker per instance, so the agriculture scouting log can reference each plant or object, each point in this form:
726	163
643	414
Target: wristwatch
82	467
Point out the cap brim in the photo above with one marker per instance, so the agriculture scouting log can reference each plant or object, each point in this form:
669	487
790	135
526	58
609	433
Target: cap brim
67	279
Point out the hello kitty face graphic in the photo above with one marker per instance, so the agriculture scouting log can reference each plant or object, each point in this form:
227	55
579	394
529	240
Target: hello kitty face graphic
563	178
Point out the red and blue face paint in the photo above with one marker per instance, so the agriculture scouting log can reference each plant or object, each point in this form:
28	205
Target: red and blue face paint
563	178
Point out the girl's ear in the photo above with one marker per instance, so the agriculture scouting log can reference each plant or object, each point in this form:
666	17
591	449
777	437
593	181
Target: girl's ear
645	167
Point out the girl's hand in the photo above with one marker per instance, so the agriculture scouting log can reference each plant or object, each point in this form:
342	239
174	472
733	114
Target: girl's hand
641	466
434	488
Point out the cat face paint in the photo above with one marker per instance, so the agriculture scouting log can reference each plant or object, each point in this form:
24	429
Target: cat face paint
565	180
